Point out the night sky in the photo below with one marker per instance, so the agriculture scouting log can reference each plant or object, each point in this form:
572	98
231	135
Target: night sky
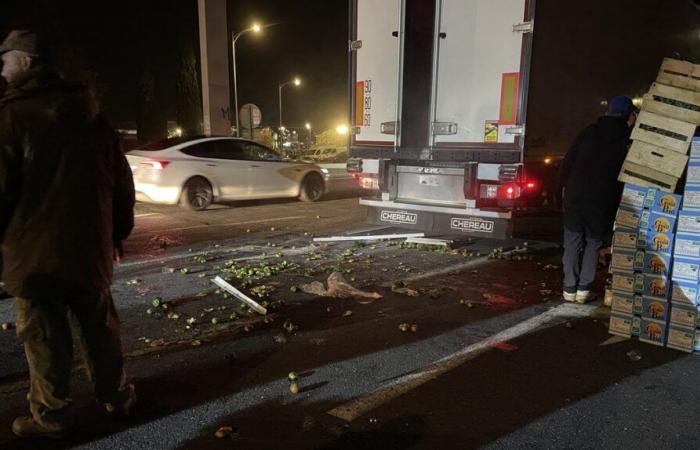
584	52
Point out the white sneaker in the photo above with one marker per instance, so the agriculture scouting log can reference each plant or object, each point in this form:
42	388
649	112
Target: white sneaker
569	296
584	296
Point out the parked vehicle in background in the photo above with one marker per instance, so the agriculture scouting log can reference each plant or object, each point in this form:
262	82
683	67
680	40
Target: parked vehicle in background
196	172
334	160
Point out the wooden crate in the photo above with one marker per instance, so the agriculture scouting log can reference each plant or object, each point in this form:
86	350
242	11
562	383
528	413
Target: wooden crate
647	177
657	158
664	132
673	102
680	74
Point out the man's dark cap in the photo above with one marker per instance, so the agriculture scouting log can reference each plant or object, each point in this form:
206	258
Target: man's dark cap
621	106
23	40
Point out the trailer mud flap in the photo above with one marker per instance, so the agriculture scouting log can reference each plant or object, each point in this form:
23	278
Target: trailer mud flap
442	224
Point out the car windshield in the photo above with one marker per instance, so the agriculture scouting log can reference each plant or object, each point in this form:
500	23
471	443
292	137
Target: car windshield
166	143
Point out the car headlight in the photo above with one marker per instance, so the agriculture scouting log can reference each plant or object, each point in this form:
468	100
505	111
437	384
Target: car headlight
324	171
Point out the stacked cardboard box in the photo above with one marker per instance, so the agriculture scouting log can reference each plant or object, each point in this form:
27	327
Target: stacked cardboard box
642	263
665	127
683	329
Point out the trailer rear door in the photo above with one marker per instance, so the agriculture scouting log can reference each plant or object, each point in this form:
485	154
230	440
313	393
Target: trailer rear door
481	64
376	66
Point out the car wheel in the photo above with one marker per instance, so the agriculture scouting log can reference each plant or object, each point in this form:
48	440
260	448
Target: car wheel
312	188
197	194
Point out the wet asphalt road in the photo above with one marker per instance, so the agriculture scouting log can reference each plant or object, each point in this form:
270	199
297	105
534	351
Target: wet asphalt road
495	360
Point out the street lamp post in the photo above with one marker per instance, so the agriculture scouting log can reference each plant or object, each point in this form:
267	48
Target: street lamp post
255	29
296	82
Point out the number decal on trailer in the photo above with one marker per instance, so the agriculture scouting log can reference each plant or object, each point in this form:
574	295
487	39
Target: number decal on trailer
368	104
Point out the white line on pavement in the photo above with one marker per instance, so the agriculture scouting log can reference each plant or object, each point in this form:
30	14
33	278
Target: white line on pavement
460	267
341	379
147	214
360	406
227	224
218	252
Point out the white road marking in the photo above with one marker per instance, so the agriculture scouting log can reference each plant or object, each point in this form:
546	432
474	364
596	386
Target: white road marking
147	214
339	380
227	224
361	405
218	252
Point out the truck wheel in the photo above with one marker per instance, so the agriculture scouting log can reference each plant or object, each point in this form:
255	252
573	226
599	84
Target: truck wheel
197	194
312	188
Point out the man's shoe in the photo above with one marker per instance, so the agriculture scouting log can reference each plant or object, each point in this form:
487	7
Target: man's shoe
123	408
569	296
584	297
27	427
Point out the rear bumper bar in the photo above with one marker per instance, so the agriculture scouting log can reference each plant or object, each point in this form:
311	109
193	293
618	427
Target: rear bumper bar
440	220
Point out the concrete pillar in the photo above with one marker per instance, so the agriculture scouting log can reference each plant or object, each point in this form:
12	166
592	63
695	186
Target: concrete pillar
213	43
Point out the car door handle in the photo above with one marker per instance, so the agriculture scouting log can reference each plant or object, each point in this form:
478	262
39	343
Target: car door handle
212	165
254	165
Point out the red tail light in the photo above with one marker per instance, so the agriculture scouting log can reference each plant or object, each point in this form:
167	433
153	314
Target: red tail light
509	191
155	164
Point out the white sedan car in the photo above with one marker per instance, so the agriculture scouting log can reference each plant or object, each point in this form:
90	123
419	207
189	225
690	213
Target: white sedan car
197	172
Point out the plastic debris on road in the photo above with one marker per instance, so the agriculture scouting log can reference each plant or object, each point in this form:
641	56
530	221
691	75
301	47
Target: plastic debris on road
337	288
223	432
634	355
220	282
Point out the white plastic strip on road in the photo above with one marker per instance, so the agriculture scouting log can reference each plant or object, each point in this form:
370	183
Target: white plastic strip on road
428	241
239	295
360	406
375	237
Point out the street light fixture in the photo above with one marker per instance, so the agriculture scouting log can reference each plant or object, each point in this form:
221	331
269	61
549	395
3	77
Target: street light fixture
256	28
342	129
296	82
307	126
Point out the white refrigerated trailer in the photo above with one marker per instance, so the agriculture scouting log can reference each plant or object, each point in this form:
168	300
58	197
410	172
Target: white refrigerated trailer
438	95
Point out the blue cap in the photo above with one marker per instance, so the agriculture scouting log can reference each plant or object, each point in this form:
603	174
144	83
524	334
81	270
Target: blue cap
620	106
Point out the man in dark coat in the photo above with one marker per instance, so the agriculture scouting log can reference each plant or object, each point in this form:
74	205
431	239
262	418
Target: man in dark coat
592	194
66	204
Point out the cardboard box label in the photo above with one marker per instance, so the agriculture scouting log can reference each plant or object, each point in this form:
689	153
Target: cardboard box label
685	315
687	269
633	196
624	303
651	308
654	286
663	202
695	148
681	338
658	242
687	245
685	292
625	238
623	260
688	222
656	263
691	198
653	331
693	174
631	218
621	325
659	222
623	282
